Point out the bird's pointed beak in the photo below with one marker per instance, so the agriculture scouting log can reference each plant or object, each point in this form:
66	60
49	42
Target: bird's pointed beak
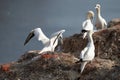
96	7
31	35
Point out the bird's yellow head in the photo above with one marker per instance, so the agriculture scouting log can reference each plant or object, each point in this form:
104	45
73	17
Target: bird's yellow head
90	15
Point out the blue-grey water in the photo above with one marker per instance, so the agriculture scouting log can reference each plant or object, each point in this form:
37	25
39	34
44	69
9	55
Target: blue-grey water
19	17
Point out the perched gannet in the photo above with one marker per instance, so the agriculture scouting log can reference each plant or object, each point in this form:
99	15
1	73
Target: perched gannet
87	24
100	21
49	44
87	54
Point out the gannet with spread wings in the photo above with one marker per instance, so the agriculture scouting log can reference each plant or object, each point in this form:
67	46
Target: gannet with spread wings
49	44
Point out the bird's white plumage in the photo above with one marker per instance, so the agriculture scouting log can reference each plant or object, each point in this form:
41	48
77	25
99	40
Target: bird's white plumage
87	24
83	66
100	21
53	41
56	33
49	44
87	54
55	38
83	52
41	36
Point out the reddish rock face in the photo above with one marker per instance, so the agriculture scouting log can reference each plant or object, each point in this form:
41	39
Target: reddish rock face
5	67
48	56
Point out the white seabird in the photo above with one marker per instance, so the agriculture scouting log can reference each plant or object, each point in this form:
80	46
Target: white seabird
88	53
87	24
100	21
49	44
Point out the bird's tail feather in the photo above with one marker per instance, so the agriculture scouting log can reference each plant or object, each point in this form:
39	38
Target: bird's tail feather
83	66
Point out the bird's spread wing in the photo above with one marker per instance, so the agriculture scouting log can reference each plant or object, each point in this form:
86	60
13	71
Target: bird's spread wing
41	36
58	32
57	35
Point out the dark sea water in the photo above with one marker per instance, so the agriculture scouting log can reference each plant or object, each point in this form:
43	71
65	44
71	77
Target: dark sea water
19	17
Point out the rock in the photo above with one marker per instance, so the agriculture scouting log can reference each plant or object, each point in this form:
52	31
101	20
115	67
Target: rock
114	22
107	43
63	66
50	66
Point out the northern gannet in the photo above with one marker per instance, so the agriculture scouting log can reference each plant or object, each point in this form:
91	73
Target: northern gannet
87	54
49	44
87	24
100	21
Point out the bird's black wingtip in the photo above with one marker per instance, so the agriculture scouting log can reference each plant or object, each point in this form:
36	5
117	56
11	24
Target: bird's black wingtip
29	37
24	43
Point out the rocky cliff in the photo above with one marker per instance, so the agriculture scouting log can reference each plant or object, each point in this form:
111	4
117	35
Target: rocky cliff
62	66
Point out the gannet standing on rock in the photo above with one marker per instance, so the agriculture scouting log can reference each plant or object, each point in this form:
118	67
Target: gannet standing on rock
87	24
100	21
49	44
87	54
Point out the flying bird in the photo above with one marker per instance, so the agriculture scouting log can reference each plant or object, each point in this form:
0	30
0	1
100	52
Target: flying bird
87	24
100	21
49	44
88	53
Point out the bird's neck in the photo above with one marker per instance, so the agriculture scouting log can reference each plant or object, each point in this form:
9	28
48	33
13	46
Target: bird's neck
98	12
